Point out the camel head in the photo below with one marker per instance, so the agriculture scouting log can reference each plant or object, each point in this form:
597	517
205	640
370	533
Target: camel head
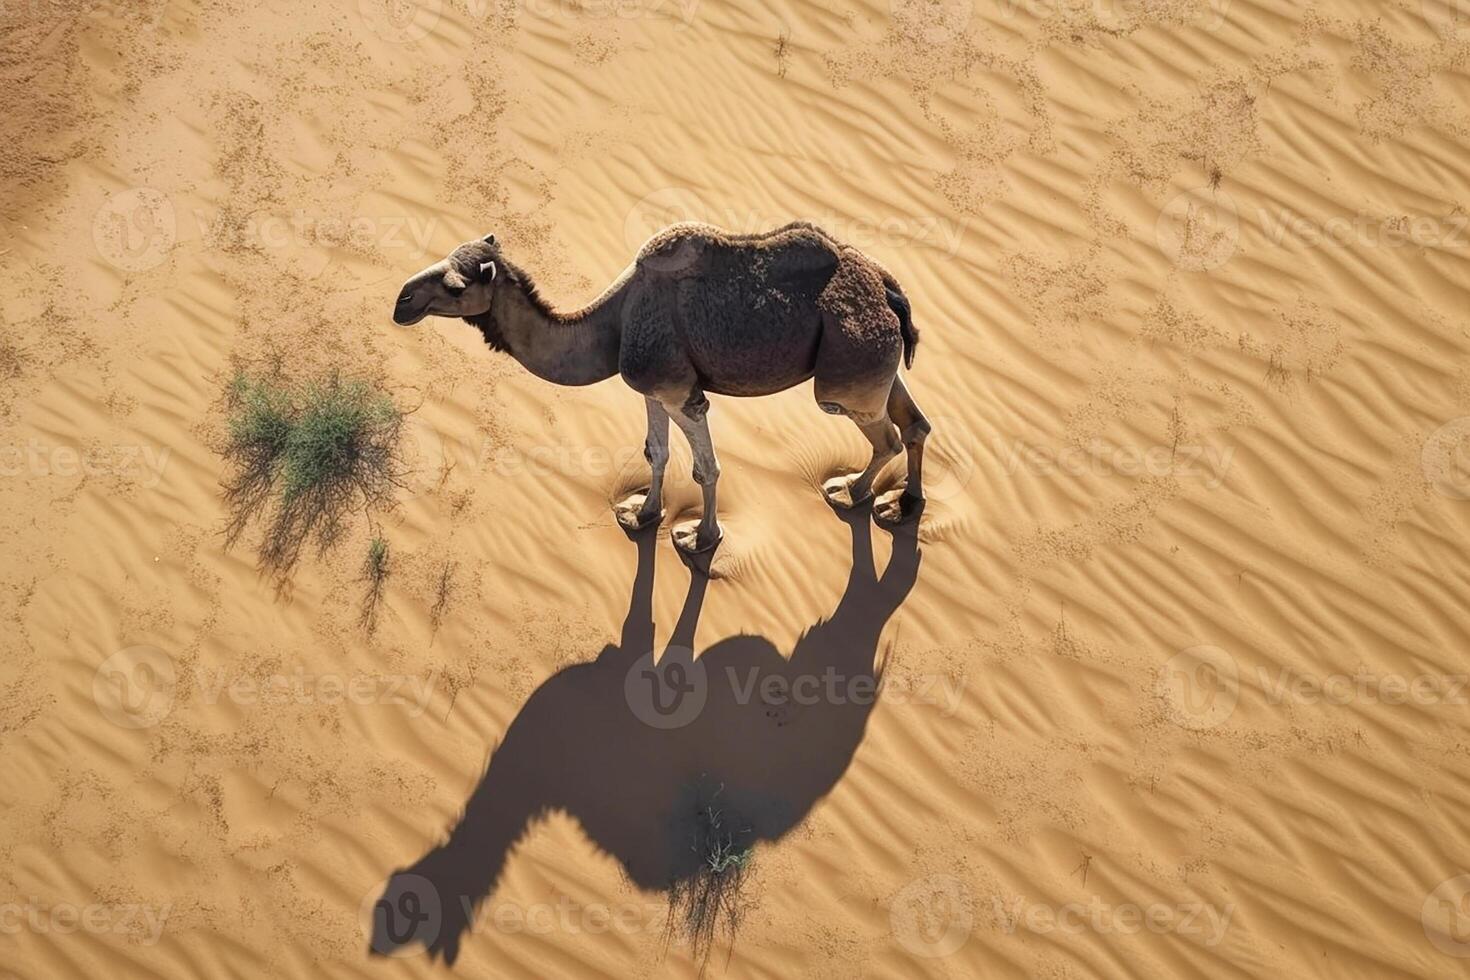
458	285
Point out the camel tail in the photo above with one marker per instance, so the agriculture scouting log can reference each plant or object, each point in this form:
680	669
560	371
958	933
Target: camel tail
899	303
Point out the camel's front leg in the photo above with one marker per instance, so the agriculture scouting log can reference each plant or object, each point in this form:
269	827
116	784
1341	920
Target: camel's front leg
640	510
692	419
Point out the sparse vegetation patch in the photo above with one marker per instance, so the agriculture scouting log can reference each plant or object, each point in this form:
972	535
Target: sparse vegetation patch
304	456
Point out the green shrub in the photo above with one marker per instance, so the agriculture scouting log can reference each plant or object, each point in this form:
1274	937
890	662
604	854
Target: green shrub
304	456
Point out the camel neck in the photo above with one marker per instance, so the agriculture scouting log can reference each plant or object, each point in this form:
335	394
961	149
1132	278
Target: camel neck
578	348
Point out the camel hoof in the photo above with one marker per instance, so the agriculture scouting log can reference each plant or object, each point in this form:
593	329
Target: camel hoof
897	507
631	515
687	540
838	492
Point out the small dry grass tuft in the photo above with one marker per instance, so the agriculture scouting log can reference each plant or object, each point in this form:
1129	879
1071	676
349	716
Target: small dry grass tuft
374	573
706	900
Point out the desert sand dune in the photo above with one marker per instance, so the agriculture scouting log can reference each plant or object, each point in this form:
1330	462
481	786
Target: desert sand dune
1174	663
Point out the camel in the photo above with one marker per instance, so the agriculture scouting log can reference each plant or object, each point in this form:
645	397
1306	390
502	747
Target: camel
703	311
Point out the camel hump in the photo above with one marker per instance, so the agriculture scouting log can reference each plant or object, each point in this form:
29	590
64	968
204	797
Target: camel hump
799	250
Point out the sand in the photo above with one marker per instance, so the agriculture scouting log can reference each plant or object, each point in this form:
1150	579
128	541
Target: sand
1174	669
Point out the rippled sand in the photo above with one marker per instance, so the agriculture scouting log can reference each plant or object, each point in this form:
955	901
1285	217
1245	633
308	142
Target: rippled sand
1174	672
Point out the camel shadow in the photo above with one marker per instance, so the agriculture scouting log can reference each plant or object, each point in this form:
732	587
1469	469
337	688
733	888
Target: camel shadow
630	748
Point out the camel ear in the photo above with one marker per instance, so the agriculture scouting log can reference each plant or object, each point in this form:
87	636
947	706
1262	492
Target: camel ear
487	271
490	239
454	282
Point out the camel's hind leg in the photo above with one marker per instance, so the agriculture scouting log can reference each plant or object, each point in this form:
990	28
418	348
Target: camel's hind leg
857	365
878	429
897	506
